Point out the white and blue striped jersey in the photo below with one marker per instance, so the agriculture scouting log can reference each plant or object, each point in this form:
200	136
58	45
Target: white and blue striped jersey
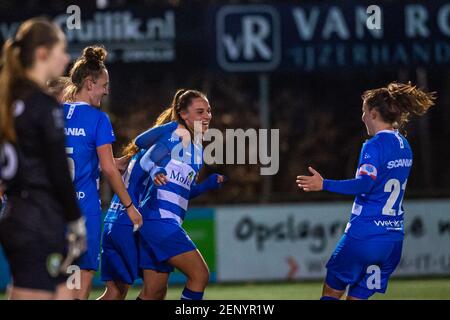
182	164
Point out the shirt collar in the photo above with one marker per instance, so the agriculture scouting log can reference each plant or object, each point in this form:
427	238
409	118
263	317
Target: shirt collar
395	131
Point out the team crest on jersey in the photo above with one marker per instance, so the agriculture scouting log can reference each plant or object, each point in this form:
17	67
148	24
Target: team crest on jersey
368	169
54	261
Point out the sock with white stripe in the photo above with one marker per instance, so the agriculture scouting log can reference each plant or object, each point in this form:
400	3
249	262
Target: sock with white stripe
191	295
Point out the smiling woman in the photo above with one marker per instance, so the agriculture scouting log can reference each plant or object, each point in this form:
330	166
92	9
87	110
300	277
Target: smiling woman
89	136
164	244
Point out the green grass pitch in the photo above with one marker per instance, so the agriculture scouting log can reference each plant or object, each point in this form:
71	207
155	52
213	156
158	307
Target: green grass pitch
399	289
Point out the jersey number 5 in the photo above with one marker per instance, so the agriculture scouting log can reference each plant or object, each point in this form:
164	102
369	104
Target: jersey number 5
71	163
393	187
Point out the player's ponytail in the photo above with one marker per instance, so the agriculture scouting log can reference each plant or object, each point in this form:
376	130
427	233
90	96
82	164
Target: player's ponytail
17	56
57	85
170	113
409	100
12	71
130	150
397	102
91	63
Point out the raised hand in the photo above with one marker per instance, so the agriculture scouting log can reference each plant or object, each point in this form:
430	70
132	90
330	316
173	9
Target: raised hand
310	183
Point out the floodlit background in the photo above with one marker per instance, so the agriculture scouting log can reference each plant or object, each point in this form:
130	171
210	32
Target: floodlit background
299	67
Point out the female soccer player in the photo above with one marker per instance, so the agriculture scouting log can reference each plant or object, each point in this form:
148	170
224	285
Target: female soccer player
370	249
163	242
119	264
89	136
41	197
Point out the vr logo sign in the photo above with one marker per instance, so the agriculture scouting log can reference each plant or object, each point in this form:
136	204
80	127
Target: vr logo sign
248	38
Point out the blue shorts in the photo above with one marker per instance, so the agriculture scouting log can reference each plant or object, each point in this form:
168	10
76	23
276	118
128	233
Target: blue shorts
119	253
364	265
90	260
160	240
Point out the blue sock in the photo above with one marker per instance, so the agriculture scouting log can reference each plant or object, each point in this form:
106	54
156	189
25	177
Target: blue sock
191	295
328	298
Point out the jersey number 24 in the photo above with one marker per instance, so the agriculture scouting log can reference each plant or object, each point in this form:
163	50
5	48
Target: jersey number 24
392	186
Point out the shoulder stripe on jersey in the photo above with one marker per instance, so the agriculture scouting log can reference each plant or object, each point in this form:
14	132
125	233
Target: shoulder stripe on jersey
400	140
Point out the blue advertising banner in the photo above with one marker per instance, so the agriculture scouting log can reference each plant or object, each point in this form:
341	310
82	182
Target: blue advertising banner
314	36
286	37
131	34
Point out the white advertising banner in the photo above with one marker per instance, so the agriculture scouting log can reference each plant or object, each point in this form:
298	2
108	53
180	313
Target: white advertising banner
281	242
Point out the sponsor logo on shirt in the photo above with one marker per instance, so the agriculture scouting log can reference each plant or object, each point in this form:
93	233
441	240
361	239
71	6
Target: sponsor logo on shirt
74	132
81	195
117	206
389	224
186	180
399	163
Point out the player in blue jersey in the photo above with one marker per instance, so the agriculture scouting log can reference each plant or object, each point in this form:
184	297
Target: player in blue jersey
370	249
178	158
119	258
89	136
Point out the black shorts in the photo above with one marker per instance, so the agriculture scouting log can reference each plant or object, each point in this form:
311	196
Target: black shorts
34	257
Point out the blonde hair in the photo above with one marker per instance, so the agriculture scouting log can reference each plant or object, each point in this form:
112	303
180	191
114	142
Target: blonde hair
130	149
397	102
91	63
57	85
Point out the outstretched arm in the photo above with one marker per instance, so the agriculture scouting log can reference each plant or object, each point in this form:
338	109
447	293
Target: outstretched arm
214	181
361	184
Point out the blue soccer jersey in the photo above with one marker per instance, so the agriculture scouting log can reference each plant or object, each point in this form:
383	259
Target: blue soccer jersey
86	128
378	212
181	165
135	180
